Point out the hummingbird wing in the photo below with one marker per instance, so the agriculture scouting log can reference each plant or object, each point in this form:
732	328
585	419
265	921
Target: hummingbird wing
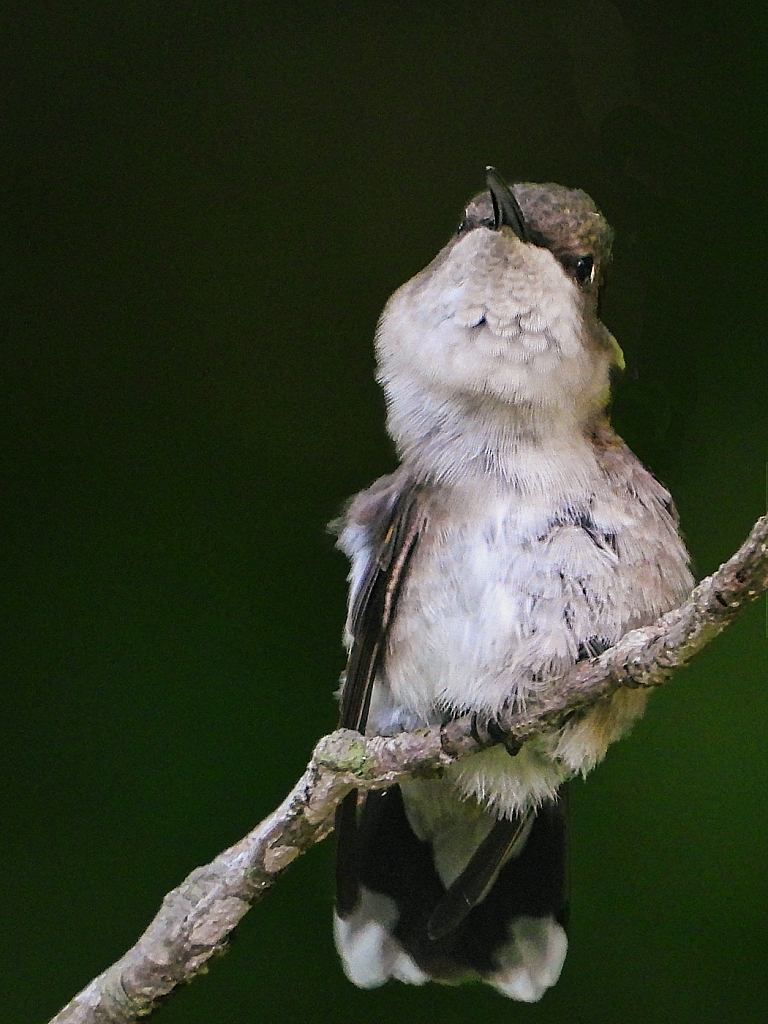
398	522
375	601
477	879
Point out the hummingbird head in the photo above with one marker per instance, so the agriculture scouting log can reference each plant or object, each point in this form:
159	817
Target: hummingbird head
503	324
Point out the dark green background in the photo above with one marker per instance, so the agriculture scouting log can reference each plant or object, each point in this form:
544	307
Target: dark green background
205	208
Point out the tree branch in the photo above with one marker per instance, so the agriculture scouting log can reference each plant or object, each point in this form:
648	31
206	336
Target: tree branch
195	919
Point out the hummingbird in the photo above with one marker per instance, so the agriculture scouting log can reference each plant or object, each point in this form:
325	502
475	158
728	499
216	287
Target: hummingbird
518	536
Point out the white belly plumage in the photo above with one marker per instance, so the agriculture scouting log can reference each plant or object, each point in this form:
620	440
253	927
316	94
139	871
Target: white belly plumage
497	607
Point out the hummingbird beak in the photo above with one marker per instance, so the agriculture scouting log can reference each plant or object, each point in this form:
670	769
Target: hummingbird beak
506	209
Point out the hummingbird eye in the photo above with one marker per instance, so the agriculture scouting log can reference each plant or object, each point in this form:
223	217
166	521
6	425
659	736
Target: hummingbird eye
580	268
584	269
